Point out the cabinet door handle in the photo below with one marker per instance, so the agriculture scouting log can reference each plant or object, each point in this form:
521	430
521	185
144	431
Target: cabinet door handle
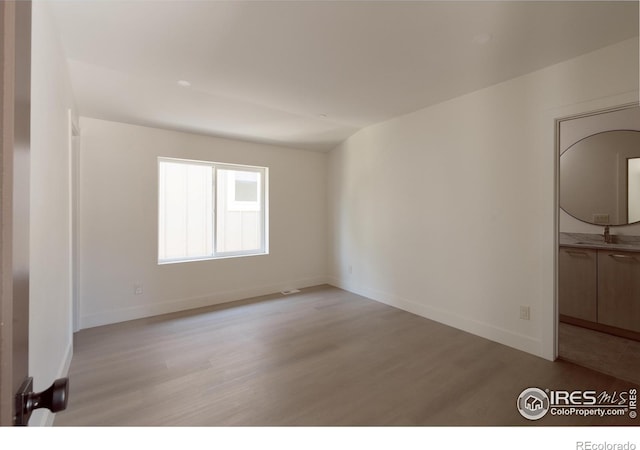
613	255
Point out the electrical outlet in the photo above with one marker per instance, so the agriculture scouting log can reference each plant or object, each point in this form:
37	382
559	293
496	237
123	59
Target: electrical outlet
137	289
525	313
290	291
350	270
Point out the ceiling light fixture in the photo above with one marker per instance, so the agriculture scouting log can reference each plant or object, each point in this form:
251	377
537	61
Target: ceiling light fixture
184	83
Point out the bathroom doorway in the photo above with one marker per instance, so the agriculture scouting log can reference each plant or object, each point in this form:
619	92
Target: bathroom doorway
599	241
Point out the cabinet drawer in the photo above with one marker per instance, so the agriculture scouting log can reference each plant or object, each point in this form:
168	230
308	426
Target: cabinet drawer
577	278
619	289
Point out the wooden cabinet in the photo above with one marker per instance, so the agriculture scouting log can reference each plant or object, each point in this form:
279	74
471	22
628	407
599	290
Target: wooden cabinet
600	289
577	283
619	289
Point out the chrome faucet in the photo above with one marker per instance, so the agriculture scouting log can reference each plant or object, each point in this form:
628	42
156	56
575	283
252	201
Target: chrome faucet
608	237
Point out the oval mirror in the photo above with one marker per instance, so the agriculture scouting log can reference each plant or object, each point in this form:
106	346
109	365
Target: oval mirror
600	178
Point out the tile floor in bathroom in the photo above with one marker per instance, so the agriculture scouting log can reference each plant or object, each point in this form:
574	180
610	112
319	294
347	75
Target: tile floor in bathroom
603	352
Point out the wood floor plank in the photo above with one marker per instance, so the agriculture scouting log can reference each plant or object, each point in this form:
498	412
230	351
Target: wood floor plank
320	357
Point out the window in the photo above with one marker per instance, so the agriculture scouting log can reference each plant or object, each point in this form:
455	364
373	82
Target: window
209	210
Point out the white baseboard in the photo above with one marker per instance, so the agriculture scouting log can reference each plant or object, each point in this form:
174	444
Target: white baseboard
468	324
44	417
155	309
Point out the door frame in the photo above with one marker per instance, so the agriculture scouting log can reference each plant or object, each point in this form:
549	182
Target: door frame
74	218
7	61
558	208
15	123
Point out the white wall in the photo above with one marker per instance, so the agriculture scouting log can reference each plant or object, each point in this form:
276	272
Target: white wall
451	212
50	335
118	224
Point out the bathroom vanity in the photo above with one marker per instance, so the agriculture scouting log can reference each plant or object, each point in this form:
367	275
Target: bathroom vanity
599	283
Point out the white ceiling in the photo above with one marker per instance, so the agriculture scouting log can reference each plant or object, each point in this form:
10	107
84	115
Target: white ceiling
308	74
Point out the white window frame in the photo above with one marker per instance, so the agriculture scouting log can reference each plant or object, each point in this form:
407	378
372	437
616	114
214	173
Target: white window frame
263	197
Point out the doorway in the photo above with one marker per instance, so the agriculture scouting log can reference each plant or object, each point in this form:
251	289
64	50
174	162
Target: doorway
74	221
599	244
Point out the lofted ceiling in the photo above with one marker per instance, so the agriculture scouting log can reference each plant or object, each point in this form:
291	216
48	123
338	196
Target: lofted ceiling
308	74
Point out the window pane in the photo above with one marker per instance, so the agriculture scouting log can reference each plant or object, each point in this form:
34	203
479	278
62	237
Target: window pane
185	211
246	186
246	191
239	211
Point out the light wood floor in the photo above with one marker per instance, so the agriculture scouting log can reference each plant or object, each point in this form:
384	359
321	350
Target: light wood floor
321	357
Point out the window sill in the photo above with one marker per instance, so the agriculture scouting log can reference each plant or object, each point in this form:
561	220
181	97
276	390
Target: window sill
210	258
